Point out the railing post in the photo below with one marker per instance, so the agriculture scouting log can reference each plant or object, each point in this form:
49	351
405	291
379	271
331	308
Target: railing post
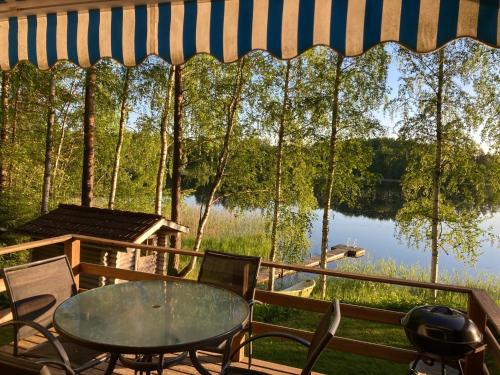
72	251
161	258
474	362
240	354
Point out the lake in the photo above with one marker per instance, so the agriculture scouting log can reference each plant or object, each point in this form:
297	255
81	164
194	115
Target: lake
378	237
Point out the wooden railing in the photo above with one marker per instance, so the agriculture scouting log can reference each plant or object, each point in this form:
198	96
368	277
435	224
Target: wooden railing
482	309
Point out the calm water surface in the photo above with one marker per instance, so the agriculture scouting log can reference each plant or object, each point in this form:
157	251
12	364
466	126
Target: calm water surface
378	237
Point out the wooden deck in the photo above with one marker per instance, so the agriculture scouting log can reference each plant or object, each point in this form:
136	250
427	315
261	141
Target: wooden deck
210	362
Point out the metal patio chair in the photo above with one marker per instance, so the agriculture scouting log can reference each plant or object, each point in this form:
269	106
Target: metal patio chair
20	366
237	273
35	290
324	333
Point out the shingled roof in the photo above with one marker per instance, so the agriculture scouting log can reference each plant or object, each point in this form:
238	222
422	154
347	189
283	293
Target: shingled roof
99	222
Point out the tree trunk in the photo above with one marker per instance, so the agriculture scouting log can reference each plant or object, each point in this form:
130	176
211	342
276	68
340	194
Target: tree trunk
61	141
13	137
64	164
119	143
279	172
436	180
177	166
221	165
160	176
327	197
49	139
4	131
89	138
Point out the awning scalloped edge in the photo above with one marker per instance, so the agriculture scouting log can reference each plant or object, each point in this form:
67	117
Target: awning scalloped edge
230	29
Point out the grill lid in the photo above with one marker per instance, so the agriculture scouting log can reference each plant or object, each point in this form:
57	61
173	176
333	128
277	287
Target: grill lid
441	323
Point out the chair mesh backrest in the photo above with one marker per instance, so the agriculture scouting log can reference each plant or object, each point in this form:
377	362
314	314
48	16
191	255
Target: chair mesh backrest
18	366
324	333
36	289
237	273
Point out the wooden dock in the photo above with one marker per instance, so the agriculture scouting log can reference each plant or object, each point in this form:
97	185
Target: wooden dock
336	253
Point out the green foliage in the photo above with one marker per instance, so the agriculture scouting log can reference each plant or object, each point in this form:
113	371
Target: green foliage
364	160
464	182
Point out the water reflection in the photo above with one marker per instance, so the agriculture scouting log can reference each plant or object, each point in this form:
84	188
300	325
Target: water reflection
377	236
371	225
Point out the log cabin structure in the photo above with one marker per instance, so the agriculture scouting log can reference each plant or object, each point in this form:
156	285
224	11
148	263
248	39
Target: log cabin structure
134	227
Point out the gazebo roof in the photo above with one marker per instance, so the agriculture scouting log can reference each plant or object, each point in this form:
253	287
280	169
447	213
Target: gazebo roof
46	31
99	222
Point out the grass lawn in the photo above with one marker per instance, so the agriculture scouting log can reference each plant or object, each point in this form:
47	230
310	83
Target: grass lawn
333	362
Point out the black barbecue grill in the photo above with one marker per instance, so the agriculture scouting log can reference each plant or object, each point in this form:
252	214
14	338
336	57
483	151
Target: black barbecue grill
441	333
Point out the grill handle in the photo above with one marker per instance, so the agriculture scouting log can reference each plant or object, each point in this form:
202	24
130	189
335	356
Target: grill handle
442	310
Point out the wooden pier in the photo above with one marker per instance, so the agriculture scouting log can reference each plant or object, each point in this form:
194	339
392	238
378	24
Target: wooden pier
336	253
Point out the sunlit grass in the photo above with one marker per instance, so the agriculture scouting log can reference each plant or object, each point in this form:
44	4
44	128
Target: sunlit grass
401	297
237	233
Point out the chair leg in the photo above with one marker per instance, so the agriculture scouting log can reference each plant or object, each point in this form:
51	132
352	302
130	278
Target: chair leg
160	364
197	364
226	356
112	363
174	361
413	369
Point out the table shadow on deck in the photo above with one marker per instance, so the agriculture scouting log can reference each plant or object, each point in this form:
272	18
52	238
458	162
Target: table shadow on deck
211	363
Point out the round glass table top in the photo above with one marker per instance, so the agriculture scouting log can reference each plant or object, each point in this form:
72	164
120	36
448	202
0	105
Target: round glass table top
151	316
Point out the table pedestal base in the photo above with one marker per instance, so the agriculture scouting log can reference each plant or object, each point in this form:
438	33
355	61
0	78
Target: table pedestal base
151	362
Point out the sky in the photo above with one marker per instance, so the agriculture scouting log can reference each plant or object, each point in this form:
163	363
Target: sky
392	83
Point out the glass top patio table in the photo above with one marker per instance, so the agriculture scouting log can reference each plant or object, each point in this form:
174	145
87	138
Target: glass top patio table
151	317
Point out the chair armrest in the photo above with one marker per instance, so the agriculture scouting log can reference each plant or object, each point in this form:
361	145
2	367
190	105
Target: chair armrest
253	302
47	334
284	335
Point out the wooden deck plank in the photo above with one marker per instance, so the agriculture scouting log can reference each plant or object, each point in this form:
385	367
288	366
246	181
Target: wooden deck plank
211	363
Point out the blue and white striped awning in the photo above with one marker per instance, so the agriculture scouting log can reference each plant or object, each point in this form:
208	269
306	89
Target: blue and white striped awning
228	29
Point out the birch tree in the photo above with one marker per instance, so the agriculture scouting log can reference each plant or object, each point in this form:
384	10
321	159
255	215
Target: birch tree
345	94
162	165
439	103
228	88
49	140
177	165
119	142
279	172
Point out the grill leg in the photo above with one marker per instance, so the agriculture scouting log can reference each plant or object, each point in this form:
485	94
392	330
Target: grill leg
414	366
460	369
443	368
